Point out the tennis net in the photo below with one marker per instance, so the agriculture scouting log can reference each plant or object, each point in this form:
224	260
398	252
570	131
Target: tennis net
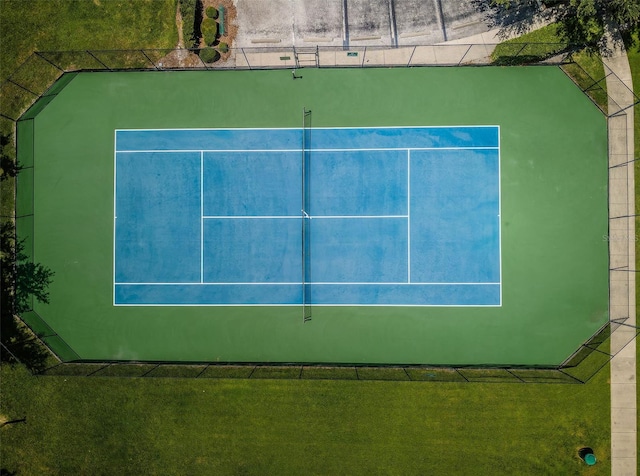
306	217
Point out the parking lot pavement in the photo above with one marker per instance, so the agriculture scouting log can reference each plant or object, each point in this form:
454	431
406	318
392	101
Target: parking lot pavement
368	23
264	23
418	22
361	23
318	22
462	19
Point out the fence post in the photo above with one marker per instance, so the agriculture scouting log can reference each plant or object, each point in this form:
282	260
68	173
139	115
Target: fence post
11	353
50	62
520	50
516	376
411	57
245	58
465	54
405	371
22	87
150	60
9	118
95	58
461	374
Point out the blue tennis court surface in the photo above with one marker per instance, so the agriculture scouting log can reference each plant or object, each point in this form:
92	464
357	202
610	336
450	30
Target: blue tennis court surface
396	216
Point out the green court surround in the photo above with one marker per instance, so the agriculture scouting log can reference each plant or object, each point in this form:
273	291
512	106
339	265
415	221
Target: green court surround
554	214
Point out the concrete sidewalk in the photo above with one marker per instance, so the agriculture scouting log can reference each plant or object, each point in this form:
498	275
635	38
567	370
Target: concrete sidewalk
622	304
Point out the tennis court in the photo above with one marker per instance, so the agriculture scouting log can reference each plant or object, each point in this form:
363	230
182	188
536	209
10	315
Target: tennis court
358	216
418	216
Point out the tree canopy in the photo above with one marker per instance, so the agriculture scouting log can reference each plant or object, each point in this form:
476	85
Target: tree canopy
584	21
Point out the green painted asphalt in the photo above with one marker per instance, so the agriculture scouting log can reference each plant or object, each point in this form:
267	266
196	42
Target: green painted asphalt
554	215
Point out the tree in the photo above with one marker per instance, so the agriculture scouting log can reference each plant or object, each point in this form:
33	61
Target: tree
584	21
30	279
19	281
9	167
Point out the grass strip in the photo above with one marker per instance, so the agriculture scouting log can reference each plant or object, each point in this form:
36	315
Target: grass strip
531	47
114	425
49	25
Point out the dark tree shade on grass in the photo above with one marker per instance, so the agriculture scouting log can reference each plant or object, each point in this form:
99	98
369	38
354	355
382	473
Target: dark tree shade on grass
584	21
21	281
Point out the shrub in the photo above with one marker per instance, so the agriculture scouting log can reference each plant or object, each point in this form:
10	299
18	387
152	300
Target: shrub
209	26
209	31
212	12
210	40
209	55
223	47
191	18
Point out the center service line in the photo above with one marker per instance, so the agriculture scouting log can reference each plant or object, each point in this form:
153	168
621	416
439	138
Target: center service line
201	216
409	215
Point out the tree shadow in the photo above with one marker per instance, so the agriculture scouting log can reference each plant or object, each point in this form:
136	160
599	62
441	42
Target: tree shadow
582	25
514	20
19	343
8	164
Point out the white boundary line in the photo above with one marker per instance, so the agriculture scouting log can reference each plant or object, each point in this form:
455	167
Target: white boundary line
360	149
297	283
500	211
115	213
202	151
294	217
473	126
252	217
408	215
201	217
208	151
300	304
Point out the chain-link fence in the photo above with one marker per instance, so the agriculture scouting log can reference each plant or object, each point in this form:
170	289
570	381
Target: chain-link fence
35	76
37	81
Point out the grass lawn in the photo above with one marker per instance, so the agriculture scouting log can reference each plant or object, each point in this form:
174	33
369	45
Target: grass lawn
49	25
530	47
207	426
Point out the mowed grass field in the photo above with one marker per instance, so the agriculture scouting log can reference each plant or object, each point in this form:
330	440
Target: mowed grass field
52	25
165	426
181	426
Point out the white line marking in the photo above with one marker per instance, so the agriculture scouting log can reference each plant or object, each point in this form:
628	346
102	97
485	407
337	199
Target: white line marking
499	214
115	213
193	151
362	149
408	215
297	217
486	126
201	217
116	151
298	283
172	304
336	217
402	148
252	217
